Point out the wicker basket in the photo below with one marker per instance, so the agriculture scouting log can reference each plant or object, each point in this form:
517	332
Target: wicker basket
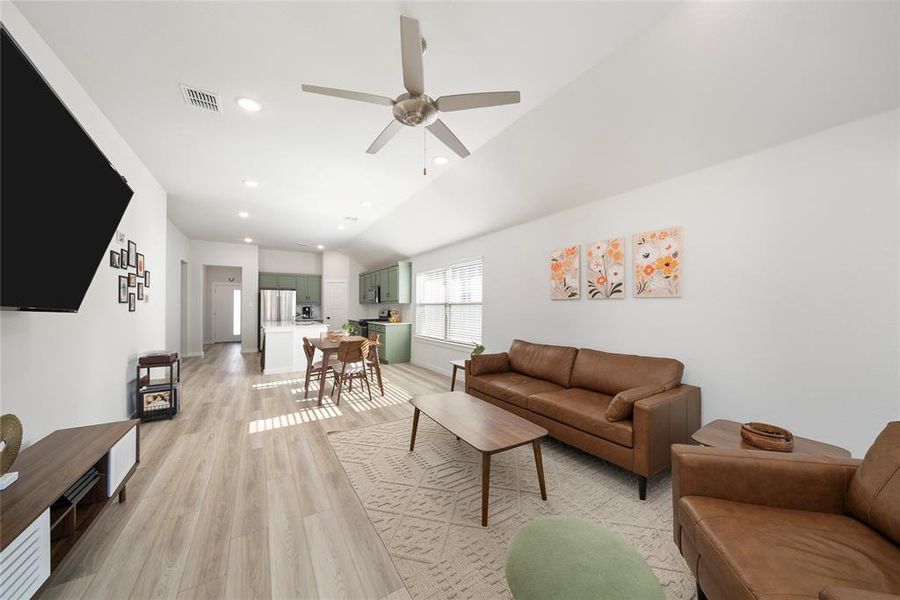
767	437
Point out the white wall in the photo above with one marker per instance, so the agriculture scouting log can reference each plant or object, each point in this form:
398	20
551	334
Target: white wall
213	275
791	266
177	251
285	261
244	256
65	370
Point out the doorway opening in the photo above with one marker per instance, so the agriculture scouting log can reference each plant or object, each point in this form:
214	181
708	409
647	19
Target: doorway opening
222	304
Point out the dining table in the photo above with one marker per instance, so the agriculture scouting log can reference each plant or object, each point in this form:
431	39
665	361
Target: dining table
328	344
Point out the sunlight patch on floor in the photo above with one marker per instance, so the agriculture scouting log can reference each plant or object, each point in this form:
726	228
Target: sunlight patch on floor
356	401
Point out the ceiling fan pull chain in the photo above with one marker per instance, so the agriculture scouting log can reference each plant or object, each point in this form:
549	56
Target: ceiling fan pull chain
424	153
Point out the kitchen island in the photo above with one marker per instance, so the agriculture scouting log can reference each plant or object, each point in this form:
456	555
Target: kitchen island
283	345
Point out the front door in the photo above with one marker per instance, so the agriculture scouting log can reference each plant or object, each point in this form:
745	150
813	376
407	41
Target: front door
335	304
226	317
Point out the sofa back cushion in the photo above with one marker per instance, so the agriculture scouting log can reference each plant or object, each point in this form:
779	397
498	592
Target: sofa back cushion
551	363
874	493
610	373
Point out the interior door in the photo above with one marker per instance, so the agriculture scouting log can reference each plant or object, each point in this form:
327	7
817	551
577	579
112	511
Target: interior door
226	317
335	304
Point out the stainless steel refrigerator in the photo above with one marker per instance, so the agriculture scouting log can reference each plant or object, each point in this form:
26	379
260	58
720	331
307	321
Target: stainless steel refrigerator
276	305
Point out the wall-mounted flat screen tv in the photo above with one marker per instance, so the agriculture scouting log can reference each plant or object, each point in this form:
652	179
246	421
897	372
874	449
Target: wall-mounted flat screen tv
60	199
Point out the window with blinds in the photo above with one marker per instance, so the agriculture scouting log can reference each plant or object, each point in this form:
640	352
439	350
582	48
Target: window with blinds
448	303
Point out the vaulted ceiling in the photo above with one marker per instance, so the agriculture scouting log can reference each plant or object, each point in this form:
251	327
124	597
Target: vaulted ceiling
614	96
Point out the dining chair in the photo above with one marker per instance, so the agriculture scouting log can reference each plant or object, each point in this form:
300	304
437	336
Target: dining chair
372	356
314	369
351	356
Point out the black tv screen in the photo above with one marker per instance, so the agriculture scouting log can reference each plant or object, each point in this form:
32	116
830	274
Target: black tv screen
60	199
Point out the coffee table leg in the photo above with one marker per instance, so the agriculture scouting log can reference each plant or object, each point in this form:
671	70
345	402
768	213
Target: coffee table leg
485	486
540	467
412	440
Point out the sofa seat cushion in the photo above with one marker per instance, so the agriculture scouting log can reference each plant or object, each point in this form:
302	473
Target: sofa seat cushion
763	552
584	410
511	387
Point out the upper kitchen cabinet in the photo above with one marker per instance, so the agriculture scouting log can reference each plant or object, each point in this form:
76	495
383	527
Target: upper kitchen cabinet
268	281
395	283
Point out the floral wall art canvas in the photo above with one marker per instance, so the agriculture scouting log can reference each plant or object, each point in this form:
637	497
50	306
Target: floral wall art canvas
564	274
658	264
606	269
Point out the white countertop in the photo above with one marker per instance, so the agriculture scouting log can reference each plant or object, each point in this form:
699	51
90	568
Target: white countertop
386	323
283	326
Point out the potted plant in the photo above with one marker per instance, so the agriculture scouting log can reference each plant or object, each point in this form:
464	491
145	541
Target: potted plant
350	328
478	349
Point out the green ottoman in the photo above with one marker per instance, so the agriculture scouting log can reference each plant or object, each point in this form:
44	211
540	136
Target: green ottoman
570	559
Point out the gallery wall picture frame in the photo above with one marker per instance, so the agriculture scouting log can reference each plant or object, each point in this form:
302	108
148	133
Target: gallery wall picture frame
132	303
146	278
123	258
123	289
140	291
114	259
132	280
140	265
606	269
132	254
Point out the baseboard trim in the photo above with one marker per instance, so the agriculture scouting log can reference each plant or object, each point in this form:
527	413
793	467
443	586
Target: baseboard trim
461	376
192	354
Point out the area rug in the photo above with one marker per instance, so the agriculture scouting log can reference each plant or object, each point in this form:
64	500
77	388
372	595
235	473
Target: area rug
426	506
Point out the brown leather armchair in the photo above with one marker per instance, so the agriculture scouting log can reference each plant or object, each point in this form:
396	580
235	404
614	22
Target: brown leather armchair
754	524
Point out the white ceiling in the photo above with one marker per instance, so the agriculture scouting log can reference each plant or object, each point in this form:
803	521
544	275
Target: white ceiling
308	152
710	82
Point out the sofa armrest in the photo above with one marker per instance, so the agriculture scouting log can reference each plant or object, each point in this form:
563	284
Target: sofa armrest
854	594
484	364
661	420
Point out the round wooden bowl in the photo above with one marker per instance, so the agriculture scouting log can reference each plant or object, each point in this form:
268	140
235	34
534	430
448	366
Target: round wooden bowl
767	437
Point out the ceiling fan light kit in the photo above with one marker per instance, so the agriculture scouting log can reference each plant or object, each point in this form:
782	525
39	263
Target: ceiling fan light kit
415	108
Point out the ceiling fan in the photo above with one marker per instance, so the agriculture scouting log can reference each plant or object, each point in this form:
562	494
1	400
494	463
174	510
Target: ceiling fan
415	108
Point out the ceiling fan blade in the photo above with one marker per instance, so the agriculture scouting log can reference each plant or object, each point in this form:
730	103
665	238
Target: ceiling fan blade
411	54
479	100
348	95
385	136
443	133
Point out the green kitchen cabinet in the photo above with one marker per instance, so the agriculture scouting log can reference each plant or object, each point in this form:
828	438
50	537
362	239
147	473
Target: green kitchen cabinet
315	288
395	283
302	288
268	281
395	341
287	282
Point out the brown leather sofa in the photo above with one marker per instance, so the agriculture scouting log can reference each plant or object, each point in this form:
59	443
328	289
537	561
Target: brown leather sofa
625	409
755	524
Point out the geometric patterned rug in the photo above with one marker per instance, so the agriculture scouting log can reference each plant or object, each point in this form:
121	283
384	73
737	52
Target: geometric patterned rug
426	506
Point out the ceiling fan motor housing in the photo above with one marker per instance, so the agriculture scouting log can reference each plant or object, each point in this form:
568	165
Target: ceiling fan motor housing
414	111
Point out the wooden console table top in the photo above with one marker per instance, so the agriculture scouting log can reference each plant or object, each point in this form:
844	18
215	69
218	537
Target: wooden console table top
722	433
48	467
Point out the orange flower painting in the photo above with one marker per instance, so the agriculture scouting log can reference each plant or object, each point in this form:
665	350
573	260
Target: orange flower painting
657	265
564	274
606	269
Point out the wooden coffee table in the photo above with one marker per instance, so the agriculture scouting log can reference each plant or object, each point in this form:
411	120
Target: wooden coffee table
727	434
487	428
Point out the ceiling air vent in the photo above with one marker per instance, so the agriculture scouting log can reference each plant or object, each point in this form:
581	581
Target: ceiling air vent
201	99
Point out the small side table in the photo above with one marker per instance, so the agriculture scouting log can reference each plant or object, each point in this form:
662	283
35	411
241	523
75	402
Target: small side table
722	433
457	365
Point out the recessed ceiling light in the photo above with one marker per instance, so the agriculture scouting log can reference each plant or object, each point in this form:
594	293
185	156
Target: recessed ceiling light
249	104
365	203
243	214
251	183
320	247
248	240
440	160
340	226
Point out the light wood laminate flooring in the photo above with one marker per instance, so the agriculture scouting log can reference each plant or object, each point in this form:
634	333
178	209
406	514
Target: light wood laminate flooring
241	495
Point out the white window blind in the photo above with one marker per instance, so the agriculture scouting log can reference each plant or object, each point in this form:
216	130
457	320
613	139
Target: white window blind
448	303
